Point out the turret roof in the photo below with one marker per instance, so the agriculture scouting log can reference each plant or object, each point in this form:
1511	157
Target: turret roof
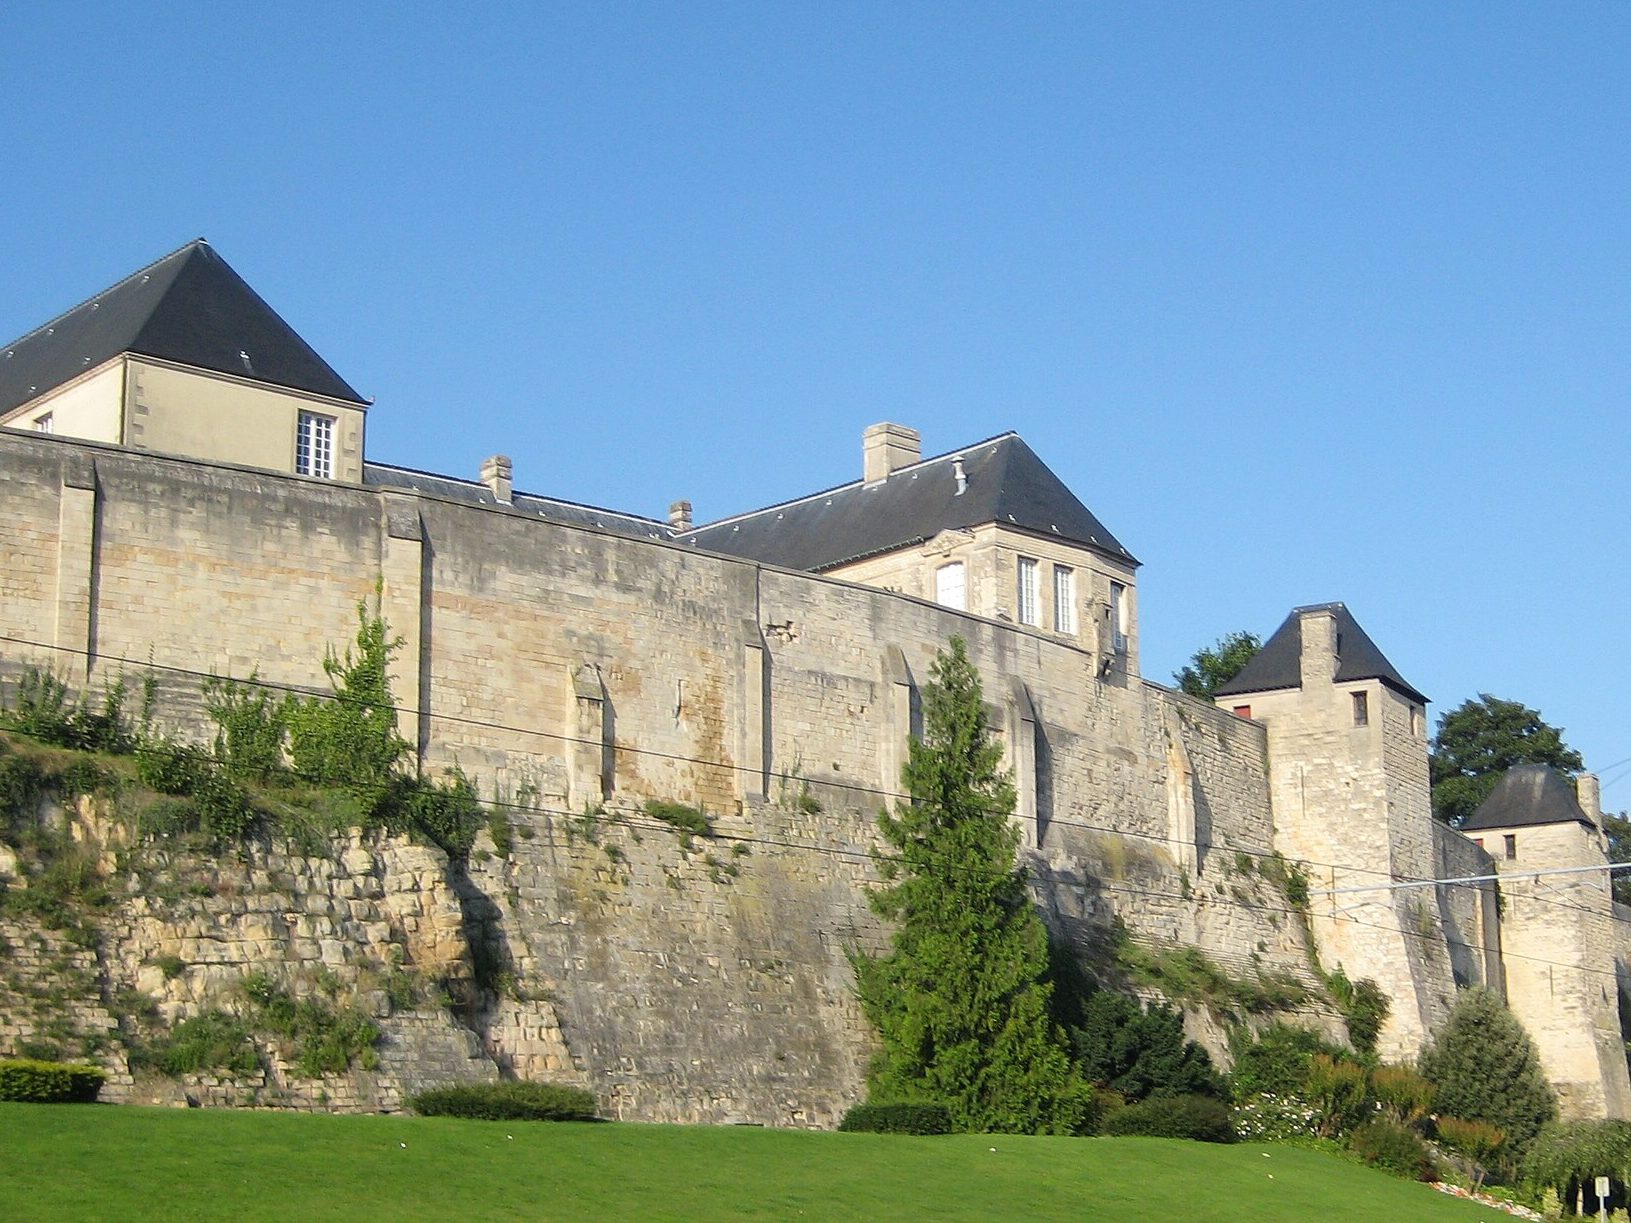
189	307
1279	663
1526	795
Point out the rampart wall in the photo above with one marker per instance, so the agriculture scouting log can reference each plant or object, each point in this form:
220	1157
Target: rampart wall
576	673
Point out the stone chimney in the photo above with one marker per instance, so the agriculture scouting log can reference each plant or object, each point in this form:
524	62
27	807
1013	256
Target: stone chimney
495	474
886	448
1590	792
1320	646
679	516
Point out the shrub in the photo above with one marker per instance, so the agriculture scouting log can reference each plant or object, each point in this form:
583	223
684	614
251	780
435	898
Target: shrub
506	1102
907	1117
171	768
1276	1118
49	1082
213	1040
1277	1062
326	1039
1339	1090
1140	1052
1393	1148
350	739
678	815
1479	1141
1403	1094
44	712
1200	1118
250	726
446	813
1564	1155
1484	1067
1364	1006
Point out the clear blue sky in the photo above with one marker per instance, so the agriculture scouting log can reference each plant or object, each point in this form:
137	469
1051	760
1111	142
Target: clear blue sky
1307	302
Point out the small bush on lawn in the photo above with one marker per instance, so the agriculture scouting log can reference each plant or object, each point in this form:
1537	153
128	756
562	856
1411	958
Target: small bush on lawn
1200	1118
919	1117
506	1102
49	1082
1393	1148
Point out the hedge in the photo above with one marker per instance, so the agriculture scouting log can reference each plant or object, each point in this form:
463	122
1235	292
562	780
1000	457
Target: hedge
1200	1118
919	1117
49	1082
506	1102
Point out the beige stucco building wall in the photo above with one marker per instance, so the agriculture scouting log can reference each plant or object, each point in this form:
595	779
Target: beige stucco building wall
990	556
149	404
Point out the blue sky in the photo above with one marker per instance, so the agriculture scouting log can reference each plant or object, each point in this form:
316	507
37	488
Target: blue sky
1307	302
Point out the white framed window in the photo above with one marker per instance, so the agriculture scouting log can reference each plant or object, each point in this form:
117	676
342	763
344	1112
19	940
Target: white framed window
1064	599
1118	617
951	587
43	423
1029	592
314	446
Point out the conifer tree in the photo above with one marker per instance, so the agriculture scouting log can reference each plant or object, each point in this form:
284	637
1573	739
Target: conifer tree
1484	1067
962	1003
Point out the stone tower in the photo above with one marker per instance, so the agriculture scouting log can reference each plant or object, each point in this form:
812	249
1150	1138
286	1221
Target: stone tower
1348	783
1557	932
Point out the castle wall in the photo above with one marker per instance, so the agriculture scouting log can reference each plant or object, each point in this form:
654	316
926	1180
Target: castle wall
575	674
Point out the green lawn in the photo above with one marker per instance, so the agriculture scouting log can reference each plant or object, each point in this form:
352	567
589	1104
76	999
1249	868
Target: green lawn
102	1162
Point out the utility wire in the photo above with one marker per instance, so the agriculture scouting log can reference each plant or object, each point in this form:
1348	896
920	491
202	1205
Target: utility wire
783	778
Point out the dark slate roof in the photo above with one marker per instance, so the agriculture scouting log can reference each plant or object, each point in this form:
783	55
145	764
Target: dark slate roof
382	475
1279	663
189	307
1006	484
1528	794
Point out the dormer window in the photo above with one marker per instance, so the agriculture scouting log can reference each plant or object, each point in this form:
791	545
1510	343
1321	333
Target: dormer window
43	423
314	446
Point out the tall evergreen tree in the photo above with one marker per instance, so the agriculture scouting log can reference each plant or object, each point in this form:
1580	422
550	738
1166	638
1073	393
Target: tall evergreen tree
962	1003
1484	1067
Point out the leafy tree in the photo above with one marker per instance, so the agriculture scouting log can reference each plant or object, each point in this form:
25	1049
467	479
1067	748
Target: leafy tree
1478	741
962	1003
1141	1052
1483	1067
1209	669
1618	828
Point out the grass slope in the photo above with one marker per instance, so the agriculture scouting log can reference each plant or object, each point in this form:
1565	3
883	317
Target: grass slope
99	1162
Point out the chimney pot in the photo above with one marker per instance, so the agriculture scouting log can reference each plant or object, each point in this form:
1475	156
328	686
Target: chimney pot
679	516
888	447
1591	797
495	474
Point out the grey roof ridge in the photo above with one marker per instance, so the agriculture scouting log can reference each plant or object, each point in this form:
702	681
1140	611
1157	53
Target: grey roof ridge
102	292
954	453
478	485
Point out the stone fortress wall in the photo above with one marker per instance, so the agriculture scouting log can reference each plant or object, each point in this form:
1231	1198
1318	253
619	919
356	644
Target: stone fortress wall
584	672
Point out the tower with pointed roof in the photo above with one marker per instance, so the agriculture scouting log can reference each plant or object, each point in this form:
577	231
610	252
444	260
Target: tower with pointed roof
1557	931
183	357
1347	745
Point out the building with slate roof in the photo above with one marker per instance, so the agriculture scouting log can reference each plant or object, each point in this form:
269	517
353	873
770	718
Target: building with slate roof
987	528
183	357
